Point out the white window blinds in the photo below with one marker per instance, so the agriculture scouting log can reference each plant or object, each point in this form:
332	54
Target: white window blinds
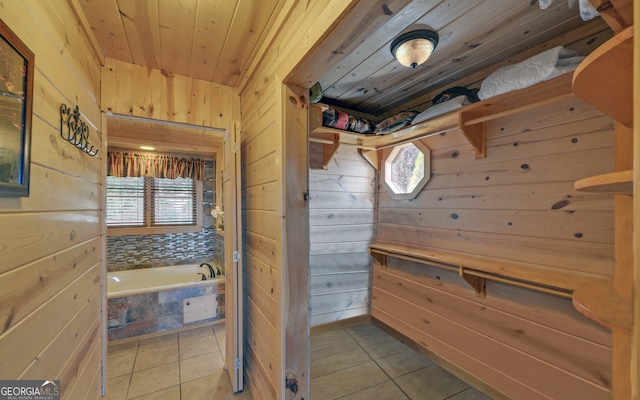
145	202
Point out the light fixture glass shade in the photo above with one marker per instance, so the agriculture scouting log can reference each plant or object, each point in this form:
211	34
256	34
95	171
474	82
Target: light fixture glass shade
414	48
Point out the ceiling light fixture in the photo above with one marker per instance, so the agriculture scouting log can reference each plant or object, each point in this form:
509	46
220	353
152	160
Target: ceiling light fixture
413	48
147	148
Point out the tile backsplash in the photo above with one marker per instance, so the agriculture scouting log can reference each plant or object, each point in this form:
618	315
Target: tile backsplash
145	251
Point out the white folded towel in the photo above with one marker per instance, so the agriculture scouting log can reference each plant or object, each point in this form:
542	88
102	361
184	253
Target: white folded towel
541	67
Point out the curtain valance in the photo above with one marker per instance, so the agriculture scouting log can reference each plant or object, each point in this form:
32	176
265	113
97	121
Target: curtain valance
123	164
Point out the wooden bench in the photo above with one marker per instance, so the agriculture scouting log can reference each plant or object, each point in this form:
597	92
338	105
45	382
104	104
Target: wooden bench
476	270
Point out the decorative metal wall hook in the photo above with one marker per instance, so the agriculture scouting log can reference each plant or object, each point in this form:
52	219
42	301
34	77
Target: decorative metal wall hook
77	131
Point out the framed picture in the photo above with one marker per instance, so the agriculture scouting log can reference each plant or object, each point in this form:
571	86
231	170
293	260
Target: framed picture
16	96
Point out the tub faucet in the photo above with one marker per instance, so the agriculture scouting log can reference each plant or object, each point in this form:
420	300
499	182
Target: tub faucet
203	276
218	271
212	274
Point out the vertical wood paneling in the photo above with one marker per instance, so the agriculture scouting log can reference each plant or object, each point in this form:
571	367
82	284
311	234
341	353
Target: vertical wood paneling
129	89
517	205
297	29
140	24
212	23
51	274
109	25
176	20
263	305
296	241
342	200
247	27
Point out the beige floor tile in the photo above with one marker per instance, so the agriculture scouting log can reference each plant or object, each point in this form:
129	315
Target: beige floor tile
370	336
323	347
119	349
219	327
197	367
470	394
328	339
213	386
403	363
154	379
336	362
163	340
172	393
196	347
347	381
364	330
195	333
155	356
385	348
120	365
431	382
222	346
384	391
117	387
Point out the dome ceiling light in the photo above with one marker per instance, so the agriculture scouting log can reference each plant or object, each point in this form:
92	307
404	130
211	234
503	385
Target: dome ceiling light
413	48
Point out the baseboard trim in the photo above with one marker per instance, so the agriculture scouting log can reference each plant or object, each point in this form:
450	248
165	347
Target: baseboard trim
341	324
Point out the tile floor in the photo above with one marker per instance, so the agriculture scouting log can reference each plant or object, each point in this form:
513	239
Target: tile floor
187	365
364	363
360	363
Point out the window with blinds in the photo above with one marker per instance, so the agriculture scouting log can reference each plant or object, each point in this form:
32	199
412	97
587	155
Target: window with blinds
152	202
125	201
173	202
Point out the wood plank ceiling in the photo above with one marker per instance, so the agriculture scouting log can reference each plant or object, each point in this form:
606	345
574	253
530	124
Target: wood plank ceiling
212	40
475	38
215	40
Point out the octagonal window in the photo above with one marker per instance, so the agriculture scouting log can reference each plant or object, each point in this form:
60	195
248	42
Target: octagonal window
407	169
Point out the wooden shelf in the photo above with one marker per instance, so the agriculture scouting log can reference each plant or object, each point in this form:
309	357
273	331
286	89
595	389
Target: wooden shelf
620	182
468	121
604	79
475	270
601	302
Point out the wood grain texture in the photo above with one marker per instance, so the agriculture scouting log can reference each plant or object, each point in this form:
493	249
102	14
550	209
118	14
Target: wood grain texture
296	243
26	288
480	346
145	92
51	273
547	148
342	200
262	183
54	315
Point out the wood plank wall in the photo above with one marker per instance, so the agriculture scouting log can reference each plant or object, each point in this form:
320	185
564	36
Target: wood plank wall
274	339
261	144
516	204
50	242
129	89
341	220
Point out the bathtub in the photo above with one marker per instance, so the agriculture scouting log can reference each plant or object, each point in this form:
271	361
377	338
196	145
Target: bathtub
147	280
150	300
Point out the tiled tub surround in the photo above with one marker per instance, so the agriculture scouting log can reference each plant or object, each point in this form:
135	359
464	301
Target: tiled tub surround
160	309
150	251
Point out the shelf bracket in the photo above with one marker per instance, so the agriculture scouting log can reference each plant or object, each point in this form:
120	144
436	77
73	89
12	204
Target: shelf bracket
379	257
475	133
330	150
479	284
370	156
